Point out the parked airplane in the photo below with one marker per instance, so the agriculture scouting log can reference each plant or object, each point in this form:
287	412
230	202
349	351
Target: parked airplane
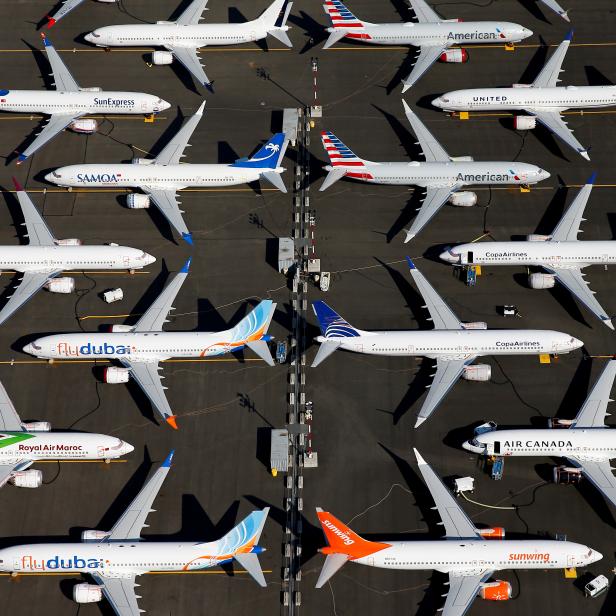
561	254
552	4
588	444
437	38
67	105
114	559
466	553
542	99
453	344
66	8
183	38
141	347
161	177
45	258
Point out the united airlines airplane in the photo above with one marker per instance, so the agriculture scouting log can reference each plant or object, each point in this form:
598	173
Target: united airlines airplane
114	559
453	344
437	38
468	555
141	347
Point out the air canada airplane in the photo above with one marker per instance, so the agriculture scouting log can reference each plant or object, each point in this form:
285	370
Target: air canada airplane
141	347
560	254
437	38
543	100
552	4
441	175
115	558
470	556
453	344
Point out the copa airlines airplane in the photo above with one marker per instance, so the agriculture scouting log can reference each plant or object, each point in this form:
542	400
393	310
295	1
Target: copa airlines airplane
141	347
542	99
453	344
67	105
470	556
587	444
552	4
437	38
114	559
160	178
183	38
560	254
45	258
441	175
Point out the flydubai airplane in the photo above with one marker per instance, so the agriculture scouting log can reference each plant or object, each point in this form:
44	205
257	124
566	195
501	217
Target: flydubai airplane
588	444
552	4
160	178
114	559
453	344
45	258
560	254
437	38
141	347
67	105
470	556
183	38
543	100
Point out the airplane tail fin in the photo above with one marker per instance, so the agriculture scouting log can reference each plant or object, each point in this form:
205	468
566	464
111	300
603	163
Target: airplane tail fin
251	331
342	158
341	17
277	22
331	323
269	155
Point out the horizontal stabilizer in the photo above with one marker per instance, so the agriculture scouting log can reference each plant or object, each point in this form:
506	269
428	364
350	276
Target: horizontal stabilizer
275	180
281	35
334	37
325	350
262	350
332	177
333	562
250	562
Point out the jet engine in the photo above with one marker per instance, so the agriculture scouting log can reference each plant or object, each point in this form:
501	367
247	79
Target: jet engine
84	125
60	285
137	201
93	536
71	241
477	372
142	161
87	593
465	198
120	328
534	237
27	479
524	122
93	89
456	56
461	159
115	375
521	85
495	591
36	426
541	281
498	532
475	325
162	57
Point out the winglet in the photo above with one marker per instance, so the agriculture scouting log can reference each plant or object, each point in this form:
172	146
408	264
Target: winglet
411	264
592	178
21	158
171	421
168	460
186	266
569	36
407	109
420	460
201	108
50	21
187	237
18	186
46	41
419	421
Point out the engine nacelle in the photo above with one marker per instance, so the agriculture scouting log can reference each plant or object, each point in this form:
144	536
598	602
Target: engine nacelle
93	89
36	426
115	375
521	85
142	161
90	536
88	126
495	591
108	1
477	372
71	241
166	23
455	56
162	57
461	159
60	285
535	237
114	329
137	201
463	199
475	325
87	593
27	479
498	532
541	281
524	122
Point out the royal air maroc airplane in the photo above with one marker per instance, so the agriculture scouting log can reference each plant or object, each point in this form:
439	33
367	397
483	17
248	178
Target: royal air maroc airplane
453	344
114	559
437	38
141	347
44	258
543	100
470	556
67	105
441	175
561	254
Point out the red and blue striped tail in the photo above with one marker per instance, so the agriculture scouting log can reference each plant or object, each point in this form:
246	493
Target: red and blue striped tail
339	154
341	16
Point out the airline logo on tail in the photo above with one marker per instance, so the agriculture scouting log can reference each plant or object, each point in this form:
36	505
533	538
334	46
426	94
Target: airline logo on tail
342	156
268	155
340	533
341	16
331	323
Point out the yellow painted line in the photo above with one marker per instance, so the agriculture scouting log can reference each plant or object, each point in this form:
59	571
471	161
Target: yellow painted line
58	362
202	572
477	239
80	461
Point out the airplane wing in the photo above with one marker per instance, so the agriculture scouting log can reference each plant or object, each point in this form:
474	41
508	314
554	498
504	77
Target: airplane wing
189	58
63	11
593	412
56	123
167	202
38	232
174	150
552	4
548	77
462	592
30	283
63	80
434	200
192	15
9	419
569	225
428	55
599	473
433	151
423	12
553	121
120	592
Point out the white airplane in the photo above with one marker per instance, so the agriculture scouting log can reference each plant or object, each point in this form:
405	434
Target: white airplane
45	258
67	7
160	178
552	4
437	38
114	559
141	347
183	38
542	99
588	444
68	103
441	175
453	344
561	254
470	556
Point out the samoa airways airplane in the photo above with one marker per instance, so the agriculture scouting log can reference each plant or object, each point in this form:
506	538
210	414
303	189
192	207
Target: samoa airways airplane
114	559
468	555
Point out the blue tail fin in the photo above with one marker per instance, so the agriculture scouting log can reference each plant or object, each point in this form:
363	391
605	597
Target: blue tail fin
268	156
331	323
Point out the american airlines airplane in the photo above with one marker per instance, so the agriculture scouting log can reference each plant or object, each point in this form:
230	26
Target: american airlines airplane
141	347
437	38
470	556
560	254
160	178
543	100
441	175
44	258
67	105
453	344
114	559
182	39
588	444
554	6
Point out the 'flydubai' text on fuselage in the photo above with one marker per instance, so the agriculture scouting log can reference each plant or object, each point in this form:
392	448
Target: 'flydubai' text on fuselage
51	564
93	349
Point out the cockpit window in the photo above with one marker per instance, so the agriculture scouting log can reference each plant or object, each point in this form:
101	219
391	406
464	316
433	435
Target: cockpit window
55	175
96	35
36	347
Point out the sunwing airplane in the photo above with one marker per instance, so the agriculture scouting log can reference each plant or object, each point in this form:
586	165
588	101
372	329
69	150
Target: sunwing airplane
160	178
183	38
542	99
434	35
45	258
141	347
67	105
561	254
466	554
453	344
441	175
552	4
114	559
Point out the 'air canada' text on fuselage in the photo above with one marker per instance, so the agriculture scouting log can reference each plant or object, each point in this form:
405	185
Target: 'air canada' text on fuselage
538	444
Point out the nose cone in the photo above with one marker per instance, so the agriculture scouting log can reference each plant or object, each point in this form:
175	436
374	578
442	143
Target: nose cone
577	344
29	348
473	447
49	178
149	259
438	102
449	257
165	105
526	32
595	556
127	448
88	37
